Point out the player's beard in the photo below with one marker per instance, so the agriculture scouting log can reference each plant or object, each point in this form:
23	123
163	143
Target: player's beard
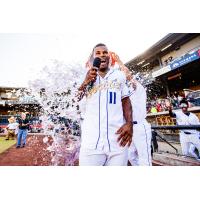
105	66
184	109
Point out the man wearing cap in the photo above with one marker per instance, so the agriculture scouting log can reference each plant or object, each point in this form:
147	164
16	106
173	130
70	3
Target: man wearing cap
187	137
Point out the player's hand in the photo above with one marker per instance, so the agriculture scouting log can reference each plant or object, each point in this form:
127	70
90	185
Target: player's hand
116	58
125	134
91	76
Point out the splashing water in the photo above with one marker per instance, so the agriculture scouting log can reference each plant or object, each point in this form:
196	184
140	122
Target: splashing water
55	90
154	88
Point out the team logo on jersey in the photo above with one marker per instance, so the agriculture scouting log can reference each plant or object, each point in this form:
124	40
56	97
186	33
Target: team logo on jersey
114	84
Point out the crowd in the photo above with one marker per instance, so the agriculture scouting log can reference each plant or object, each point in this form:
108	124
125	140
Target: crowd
161	104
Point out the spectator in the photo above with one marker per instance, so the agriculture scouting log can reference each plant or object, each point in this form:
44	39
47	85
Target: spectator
153	109
158	106
23	130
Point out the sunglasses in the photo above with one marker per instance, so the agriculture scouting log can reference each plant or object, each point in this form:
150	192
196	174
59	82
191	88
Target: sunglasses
183	105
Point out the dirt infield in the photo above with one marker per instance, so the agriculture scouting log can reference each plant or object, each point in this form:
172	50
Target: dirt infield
34	154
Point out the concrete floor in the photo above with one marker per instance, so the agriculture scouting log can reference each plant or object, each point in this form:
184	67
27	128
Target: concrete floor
162	146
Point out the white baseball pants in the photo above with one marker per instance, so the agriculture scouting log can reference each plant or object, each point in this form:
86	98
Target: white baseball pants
139	153
186	140
100	158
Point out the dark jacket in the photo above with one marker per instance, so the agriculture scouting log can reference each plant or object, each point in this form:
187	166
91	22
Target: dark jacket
25	121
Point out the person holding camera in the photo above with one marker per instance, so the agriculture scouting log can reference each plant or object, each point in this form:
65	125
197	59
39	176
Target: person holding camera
23	130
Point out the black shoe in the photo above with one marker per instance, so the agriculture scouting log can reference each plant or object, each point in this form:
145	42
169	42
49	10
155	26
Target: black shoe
6	139
17	146
23	146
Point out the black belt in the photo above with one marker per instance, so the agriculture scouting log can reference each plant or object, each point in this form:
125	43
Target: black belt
187	133
134	122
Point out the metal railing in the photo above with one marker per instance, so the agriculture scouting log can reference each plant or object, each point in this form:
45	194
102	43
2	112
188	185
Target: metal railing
177	127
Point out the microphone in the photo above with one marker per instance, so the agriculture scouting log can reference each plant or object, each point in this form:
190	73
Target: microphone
96	65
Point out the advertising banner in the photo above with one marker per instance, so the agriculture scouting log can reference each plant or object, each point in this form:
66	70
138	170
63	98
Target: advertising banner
187	58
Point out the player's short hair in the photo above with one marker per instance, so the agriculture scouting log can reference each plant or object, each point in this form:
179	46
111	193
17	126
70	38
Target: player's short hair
100	45
91	55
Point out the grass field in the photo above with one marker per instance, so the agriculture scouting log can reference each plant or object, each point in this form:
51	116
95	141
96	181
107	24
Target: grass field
5	144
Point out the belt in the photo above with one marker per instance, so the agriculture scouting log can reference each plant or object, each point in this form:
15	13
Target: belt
187	133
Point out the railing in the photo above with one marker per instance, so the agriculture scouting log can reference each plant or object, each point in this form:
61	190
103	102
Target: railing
177	127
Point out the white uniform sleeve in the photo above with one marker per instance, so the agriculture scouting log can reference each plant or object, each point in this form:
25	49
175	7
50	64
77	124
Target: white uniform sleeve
178	115
196	120
124	88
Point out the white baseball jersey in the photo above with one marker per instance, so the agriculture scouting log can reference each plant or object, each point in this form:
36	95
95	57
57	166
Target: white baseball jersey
103	112
187	139
138	100
140	149
183	119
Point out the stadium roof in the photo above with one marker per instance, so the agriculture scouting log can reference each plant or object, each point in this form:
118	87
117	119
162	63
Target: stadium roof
172	40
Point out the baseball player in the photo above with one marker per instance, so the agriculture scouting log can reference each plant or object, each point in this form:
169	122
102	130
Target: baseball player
105	135
187	137
140	149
